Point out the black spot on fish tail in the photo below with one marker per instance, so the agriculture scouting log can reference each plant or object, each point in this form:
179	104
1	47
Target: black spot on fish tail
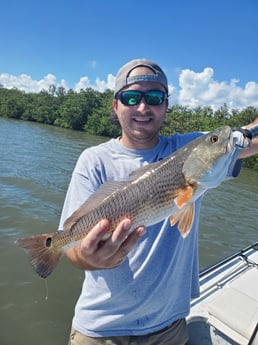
48	241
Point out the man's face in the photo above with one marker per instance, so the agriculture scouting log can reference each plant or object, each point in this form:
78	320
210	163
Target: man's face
141	123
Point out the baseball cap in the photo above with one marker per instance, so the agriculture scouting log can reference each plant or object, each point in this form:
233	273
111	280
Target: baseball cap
122	78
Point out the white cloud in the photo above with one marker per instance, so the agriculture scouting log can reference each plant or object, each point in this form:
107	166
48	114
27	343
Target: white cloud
100	85
83	83
195	88
63	84
25	83
201	89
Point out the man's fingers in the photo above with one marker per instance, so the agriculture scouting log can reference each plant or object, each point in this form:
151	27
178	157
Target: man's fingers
91	241
110	246
131	240
127	245
103	252
121	231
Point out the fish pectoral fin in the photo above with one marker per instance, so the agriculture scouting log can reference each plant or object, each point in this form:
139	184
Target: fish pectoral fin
184	217
183	196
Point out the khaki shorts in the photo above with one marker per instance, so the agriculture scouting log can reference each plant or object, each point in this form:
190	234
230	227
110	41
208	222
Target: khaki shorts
176	334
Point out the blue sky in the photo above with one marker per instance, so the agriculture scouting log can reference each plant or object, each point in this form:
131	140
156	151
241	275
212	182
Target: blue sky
208	49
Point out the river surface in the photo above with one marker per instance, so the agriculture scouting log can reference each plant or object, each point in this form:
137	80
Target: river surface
36	162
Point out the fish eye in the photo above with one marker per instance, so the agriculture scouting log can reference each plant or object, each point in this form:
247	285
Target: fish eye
214	139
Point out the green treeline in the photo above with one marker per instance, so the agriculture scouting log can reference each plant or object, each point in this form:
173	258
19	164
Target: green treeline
89	110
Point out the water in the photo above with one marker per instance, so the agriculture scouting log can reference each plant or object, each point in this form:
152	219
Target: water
36	162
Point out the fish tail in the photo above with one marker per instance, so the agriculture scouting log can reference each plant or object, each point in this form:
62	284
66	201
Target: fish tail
43	255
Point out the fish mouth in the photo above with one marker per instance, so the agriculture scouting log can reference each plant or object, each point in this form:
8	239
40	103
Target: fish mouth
230	143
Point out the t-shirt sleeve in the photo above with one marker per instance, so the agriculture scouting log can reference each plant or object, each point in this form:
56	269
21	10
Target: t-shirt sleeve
85	180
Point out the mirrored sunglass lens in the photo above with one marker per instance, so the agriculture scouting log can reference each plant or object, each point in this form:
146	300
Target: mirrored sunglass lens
154	97
131	97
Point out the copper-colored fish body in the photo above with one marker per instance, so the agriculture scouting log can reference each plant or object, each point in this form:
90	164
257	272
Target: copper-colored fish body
152	193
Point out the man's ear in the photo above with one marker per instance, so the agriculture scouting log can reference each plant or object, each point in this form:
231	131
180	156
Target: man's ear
114	104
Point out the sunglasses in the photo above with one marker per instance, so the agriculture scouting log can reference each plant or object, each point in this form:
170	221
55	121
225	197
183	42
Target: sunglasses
134	97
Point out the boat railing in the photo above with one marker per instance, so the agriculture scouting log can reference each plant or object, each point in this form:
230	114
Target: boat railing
242	254
224	271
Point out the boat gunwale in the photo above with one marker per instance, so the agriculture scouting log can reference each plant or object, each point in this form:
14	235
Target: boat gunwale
239	254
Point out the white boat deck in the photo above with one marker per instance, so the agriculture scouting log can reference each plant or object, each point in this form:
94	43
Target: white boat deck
227	310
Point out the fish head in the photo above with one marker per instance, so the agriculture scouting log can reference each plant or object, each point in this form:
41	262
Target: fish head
209	158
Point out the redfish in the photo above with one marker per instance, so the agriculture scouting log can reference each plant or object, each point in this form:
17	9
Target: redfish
165	189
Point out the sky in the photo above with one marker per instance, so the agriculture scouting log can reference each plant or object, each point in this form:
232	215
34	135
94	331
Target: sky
208	49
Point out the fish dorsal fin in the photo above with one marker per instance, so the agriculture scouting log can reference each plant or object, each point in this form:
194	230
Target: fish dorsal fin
184	217
104	191
143	170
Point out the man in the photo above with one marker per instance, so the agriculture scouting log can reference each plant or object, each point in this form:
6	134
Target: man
137	287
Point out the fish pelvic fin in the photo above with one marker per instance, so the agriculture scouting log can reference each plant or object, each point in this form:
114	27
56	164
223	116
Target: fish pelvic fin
43	256
184	217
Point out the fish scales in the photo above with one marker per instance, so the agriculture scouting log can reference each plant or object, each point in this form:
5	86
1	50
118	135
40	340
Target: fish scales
142	199
151	194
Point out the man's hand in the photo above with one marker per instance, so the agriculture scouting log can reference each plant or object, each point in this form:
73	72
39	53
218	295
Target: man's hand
242	137
95	253
252	148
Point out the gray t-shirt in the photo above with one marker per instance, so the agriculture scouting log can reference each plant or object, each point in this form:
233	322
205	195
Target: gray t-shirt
154	285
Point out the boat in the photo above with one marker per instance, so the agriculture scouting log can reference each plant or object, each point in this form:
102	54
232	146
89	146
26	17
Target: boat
227	310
